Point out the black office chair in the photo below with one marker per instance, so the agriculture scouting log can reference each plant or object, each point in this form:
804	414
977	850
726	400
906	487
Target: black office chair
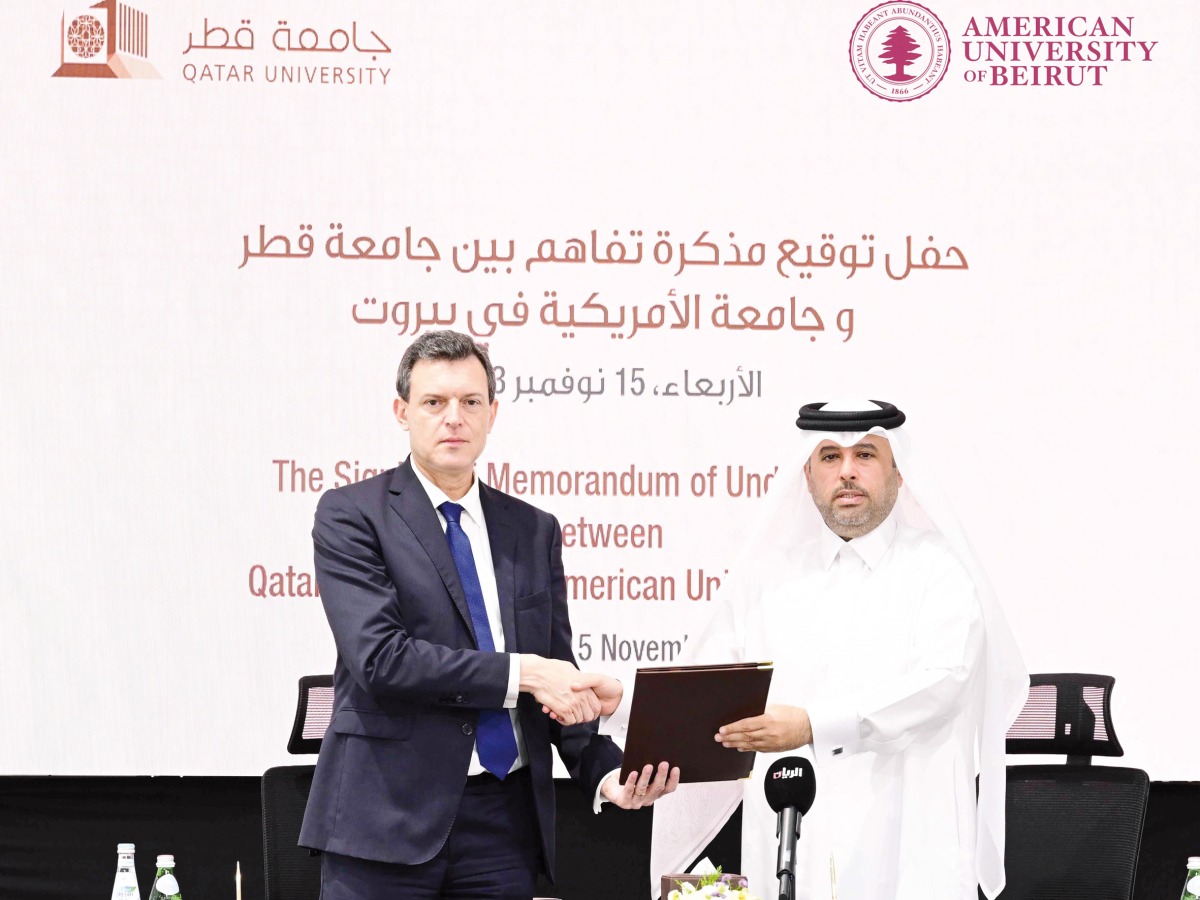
291	872
1073	830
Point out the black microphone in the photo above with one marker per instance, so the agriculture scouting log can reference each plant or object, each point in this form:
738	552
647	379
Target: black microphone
790	787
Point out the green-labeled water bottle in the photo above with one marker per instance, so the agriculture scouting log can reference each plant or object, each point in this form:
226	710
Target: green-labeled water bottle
165	885
1191	887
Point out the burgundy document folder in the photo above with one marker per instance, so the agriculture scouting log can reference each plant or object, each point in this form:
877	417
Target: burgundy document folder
677	710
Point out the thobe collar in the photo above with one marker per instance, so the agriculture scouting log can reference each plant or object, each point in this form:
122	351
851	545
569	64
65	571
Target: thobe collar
870	548
469	501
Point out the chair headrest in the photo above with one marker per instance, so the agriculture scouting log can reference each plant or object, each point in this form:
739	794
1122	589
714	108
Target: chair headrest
314	707
1066	713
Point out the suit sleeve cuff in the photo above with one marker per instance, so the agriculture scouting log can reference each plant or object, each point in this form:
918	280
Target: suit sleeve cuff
835	733
599	800
514	681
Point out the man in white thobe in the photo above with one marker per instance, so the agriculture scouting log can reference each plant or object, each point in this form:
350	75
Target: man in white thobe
895	673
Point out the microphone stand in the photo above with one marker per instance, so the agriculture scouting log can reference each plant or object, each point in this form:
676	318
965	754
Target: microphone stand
788	831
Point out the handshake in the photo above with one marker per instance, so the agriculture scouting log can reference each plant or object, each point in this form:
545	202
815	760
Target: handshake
566	694
571	697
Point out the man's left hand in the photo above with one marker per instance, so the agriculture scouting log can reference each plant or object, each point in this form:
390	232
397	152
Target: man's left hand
640	789
780	728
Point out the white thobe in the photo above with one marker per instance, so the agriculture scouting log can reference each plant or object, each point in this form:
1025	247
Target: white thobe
880	639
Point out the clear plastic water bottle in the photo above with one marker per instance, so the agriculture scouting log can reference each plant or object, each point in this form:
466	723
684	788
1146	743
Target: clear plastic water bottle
1191	887
165	885
125	887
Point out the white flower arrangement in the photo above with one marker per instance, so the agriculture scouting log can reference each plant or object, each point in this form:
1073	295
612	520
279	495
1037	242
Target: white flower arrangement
715	885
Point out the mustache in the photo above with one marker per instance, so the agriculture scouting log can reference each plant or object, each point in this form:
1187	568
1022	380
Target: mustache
850	486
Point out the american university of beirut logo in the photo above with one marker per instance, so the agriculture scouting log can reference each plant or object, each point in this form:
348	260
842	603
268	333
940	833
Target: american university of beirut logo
108	39
899	51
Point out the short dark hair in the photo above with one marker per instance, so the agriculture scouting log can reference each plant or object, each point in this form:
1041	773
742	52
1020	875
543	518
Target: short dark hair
449	345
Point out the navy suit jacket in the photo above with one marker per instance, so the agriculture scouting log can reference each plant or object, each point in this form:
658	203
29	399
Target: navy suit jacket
409	680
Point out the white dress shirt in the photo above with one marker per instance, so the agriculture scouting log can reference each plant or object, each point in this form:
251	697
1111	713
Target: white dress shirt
475	527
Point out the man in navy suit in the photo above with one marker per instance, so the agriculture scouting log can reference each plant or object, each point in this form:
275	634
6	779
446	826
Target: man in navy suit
454	674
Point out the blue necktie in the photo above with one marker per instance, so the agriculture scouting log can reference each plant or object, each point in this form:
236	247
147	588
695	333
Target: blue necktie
495	742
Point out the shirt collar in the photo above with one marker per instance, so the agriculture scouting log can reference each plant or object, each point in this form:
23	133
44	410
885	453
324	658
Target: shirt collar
871	547
469	501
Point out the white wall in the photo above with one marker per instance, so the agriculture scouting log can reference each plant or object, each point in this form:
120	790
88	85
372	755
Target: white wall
149	381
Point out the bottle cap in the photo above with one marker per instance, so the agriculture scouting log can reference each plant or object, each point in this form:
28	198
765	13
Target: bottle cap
1194	862
166	861
125	848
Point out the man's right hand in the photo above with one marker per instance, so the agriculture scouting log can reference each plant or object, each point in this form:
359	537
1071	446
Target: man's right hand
551	681
607	689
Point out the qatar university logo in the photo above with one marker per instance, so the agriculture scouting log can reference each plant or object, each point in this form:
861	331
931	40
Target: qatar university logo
899	51
108	39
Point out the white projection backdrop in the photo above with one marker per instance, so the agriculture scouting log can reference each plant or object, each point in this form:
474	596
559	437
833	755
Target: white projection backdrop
673	223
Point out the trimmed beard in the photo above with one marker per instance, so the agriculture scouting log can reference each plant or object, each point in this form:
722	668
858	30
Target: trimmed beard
855	522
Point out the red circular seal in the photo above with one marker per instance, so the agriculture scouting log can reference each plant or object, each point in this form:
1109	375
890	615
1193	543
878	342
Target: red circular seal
899	51
85	36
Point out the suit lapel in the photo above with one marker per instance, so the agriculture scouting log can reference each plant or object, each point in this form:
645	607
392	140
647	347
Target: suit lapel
412	504
502	536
